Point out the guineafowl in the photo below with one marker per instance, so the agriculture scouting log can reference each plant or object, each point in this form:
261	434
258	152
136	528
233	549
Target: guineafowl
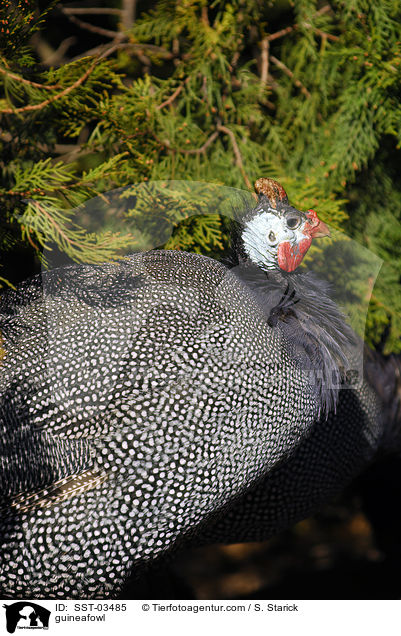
146	402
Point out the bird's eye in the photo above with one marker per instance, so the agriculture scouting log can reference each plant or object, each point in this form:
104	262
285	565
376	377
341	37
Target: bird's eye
293	222
272	237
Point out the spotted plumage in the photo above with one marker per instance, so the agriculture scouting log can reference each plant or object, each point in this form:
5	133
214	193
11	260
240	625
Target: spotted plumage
142	400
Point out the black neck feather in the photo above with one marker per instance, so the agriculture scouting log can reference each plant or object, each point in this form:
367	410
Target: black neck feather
318	336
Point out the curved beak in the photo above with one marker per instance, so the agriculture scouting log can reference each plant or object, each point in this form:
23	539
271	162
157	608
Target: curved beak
318	229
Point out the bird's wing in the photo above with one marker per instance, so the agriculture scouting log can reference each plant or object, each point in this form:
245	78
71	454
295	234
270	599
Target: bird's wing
157	403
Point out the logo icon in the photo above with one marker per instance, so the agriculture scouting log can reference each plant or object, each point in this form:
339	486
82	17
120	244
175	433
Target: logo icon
26	615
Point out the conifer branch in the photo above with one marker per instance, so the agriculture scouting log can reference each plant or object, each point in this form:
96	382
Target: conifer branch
114	35
66	91
28	236
56	57
31	107
198	151
171	98
7	282
322	34
191	151
75	242
294	27
264	58
128	14
3	71
280	34
325	9
205	16
53	223
173	95
90	10
291	75
137	49
237	153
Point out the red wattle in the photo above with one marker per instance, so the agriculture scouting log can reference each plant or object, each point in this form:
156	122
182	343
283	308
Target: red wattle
290	256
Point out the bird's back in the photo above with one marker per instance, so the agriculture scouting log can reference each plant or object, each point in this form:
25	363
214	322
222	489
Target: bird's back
137	398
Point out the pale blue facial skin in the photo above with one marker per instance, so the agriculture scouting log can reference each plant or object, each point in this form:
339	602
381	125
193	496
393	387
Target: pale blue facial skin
262	236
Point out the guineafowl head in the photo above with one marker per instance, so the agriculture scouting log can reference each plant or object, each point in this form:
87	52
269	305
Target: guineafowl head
275	235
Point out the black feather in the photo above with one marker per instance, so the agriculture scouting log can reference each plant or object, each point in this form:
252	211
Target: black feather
319	338
384	374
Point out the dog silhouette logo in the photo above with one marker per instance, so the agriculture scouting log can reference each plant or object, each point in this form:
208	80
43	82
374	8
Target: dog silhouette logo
26	615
